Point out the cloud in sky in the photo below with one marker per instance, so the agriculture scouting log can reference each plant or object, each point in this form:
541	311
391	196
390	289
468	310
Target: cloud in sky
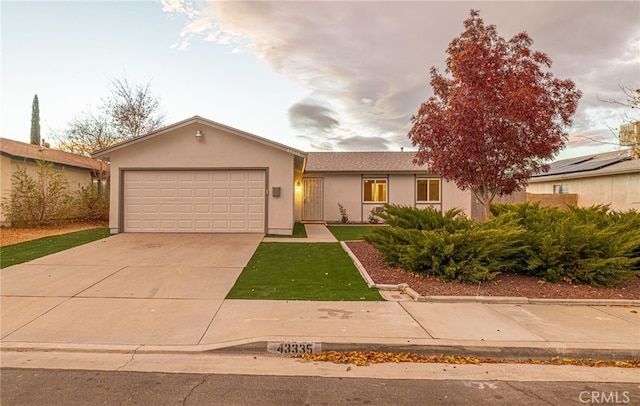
365	64
307	115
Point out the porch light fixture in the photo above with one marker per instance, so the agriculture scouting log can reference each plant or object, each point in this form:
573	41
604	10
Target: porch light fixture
198	134
298	188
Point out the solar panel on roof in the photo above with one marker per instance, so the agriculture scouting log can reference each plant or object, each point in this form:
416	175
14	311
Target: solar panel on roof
562	166
585	165
591	166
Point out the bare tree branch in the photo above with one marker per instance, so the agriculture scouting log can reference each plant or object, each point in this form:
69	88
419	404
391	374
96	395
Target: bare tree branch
131	110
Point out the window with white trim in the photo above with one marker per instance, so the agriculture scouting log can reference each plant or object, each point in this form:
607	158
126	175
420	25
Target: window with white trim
561	188
427	190
375	190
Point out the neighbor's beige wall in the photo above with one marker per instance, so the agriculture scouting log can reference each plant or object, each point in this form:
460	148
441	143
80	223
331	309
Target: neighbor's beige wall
215	149
5	181
620	192
76	177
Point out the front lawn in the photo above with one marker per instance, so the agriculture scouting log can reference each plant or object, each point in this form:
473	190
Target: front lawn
29	250
301	271
350	233
298	232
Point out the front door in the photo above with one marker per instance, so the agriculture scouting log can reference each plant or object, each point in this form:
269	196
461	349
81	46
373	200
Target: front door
312	199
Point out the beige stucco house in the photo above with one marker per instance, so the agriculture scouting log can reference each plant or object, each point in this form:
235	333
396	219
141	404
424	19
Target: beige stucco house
611	178
361	182
201	176
79	170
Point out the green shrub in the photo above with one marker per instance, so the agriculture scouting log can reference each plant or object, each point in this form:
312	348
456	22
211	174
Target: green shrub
445	245
47	199
36	202
467	255
581	245
92	204
344	217
405	224
423	219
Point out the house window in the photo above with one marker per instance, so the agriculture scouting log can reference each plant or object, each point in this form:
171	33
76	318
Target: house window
428	190
101	185
561	188
375	190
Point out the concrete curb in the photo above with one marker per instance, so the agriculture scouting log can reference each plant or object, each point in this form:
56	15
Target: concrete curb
258	346
416	297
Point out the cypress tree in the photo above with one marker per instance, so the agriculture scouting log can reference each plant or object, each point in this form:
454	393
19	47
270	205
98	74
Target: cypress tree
35	121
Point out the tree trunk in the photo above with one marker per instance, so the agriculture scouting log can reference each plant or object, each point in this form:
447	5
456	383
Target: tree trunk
487	210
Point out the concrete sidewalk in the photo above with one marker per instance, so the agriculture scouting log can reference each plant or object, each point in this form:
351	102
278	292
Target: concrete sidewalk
168	297
163	325
315	233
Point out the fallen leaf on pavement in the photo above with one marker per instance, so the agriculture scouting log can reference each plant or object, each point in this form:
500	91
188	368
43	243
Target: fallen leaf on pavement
364	358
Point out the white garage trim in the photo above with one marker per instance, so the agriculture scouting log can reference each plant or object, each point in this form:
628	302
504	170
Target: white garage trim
177	200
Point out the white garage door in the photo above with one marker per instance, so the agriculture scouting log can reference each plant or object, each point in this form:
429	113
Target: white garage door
212	201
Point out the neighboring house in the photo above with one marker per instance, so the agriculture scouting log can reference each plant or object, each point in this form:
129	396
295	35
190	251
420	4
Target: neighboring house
79	170
611	178
201	176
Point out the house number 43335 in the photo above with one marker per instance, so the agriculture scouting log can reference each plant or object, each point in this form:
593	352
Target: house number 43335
292	347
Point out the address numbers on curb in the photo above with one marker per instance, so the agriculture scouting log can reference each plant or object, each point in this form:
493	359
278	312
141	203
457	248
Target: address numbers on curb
292	347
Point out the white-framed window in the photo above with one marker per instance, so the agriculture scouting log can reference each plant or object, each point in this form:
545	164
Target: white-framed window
374	190
561	188
427	190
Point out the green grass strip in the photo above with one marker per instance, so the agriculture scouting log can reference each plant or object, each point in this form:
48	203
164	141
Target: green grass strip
301	271
30	250
298	232
350	233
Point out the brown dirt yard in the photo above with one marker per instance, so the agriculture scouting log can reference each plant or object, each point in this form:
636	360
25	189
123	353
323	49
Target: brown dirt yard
502	285
10	235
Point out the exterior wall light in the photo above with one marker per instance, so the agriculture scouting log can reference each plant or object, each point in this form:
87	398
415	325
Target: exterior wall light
298	187
198	134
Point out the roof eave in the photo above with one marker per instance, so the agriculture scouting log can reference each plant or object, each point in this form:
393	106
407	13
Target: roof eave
371	171
574	175
197	119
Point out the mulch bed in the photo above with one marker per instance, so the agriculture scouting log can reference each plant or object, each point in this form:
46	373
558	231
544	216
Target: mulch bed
14	235
502	285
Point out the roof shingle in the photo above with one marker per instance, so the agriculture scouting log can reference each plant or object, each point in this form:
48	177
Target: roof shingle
383	161
21	150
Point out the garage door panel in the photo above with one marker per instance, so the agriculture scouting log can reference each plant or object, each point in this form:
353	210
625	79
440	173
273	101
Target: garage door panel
220	208
203	209
200	192
150	209
237	209
238	192
168	208
194	201
184	176
238	176
202	176
219	192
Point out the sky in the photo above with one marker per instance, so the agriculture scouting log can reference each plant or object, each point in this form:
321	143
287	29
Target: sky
314	75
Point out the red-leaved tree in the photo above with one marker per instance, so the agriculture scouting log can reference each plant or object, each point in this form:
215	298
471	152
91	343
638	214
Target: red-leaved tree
496	117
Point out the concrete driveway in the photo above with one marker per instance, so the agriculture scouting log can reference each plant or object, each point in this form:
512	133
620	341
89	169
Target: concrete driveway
126	289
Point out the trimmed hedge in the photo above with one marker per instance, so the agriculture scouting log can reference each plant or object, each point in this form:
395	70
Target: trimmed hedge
582	245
